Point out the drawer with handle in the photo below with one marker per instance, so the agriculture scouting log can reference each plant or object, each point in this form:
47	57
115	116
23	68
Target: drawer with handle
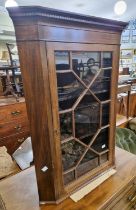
127	199
14	127
13	111
132	199
14	141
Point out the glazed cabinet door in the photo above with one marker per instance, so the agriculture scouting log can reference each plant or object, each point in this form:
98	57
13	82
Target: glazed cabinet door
83	89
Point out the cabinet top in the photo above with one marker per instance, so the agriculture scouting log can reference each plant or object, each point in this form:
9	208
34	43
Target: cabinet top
26	14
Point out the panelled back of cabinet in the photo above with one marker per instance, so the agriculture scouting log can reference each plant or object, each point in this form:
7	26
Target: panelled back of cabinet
69	65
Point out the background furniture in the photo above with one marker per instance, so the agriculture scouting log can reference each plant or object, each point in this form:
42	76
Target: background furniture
126	105
132	107
126	139
7	165
133	104
19	192
123	105
14	124
13	54
9	90
11	75
14	62
65	155
132	124
1	87
17	89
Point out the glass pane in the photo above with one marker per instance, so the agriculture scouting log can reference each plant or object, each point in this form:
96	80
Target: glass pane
69	177
89	162
86	139
69	89
71	153
104	158
87	116
86	65
107	59
105	114
62	60
91	68
101	142
101	85
66	125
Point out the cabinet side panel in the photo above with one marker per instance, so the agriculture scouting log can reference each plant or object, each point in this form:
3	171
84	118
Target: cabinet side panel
35	79
114	86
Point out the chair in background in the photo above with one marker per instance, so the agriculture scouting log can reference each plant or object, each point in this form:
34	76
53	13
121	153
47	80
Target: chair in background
123	116
14	63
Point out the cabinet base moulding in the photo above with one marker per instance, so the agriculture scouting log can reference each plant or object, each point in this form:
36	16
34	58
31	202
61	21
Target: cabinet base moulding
91	186
85	189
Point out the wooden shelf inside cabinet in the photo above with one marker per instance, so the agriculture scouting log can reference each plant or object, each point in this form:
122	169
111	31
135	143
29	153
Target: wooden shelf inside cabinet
69	67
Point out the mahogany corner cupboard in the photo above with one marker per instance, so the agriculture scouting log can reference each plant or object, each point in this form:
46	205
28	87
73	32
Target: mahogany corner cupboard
69	65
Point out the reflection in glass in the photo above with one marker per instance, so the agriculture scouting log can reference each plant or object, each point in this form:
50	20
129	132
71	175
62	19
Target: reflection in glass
107	59
89	162
71	153
86	65
62	60
69	89
66	125
87	115
105	114
101	85
101	142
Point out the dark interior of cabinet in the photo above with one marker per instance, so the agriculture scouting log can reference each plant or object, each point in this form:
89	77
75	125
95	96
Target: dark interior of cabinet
84	82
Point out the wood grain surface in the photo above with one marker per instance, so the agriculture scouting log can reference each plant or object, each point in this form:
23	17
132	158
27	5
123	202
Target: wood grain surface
19	192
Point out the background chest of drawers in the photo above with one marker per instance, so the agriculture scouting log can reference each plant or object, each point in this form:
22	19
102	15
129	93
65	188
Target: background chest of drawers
14	124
